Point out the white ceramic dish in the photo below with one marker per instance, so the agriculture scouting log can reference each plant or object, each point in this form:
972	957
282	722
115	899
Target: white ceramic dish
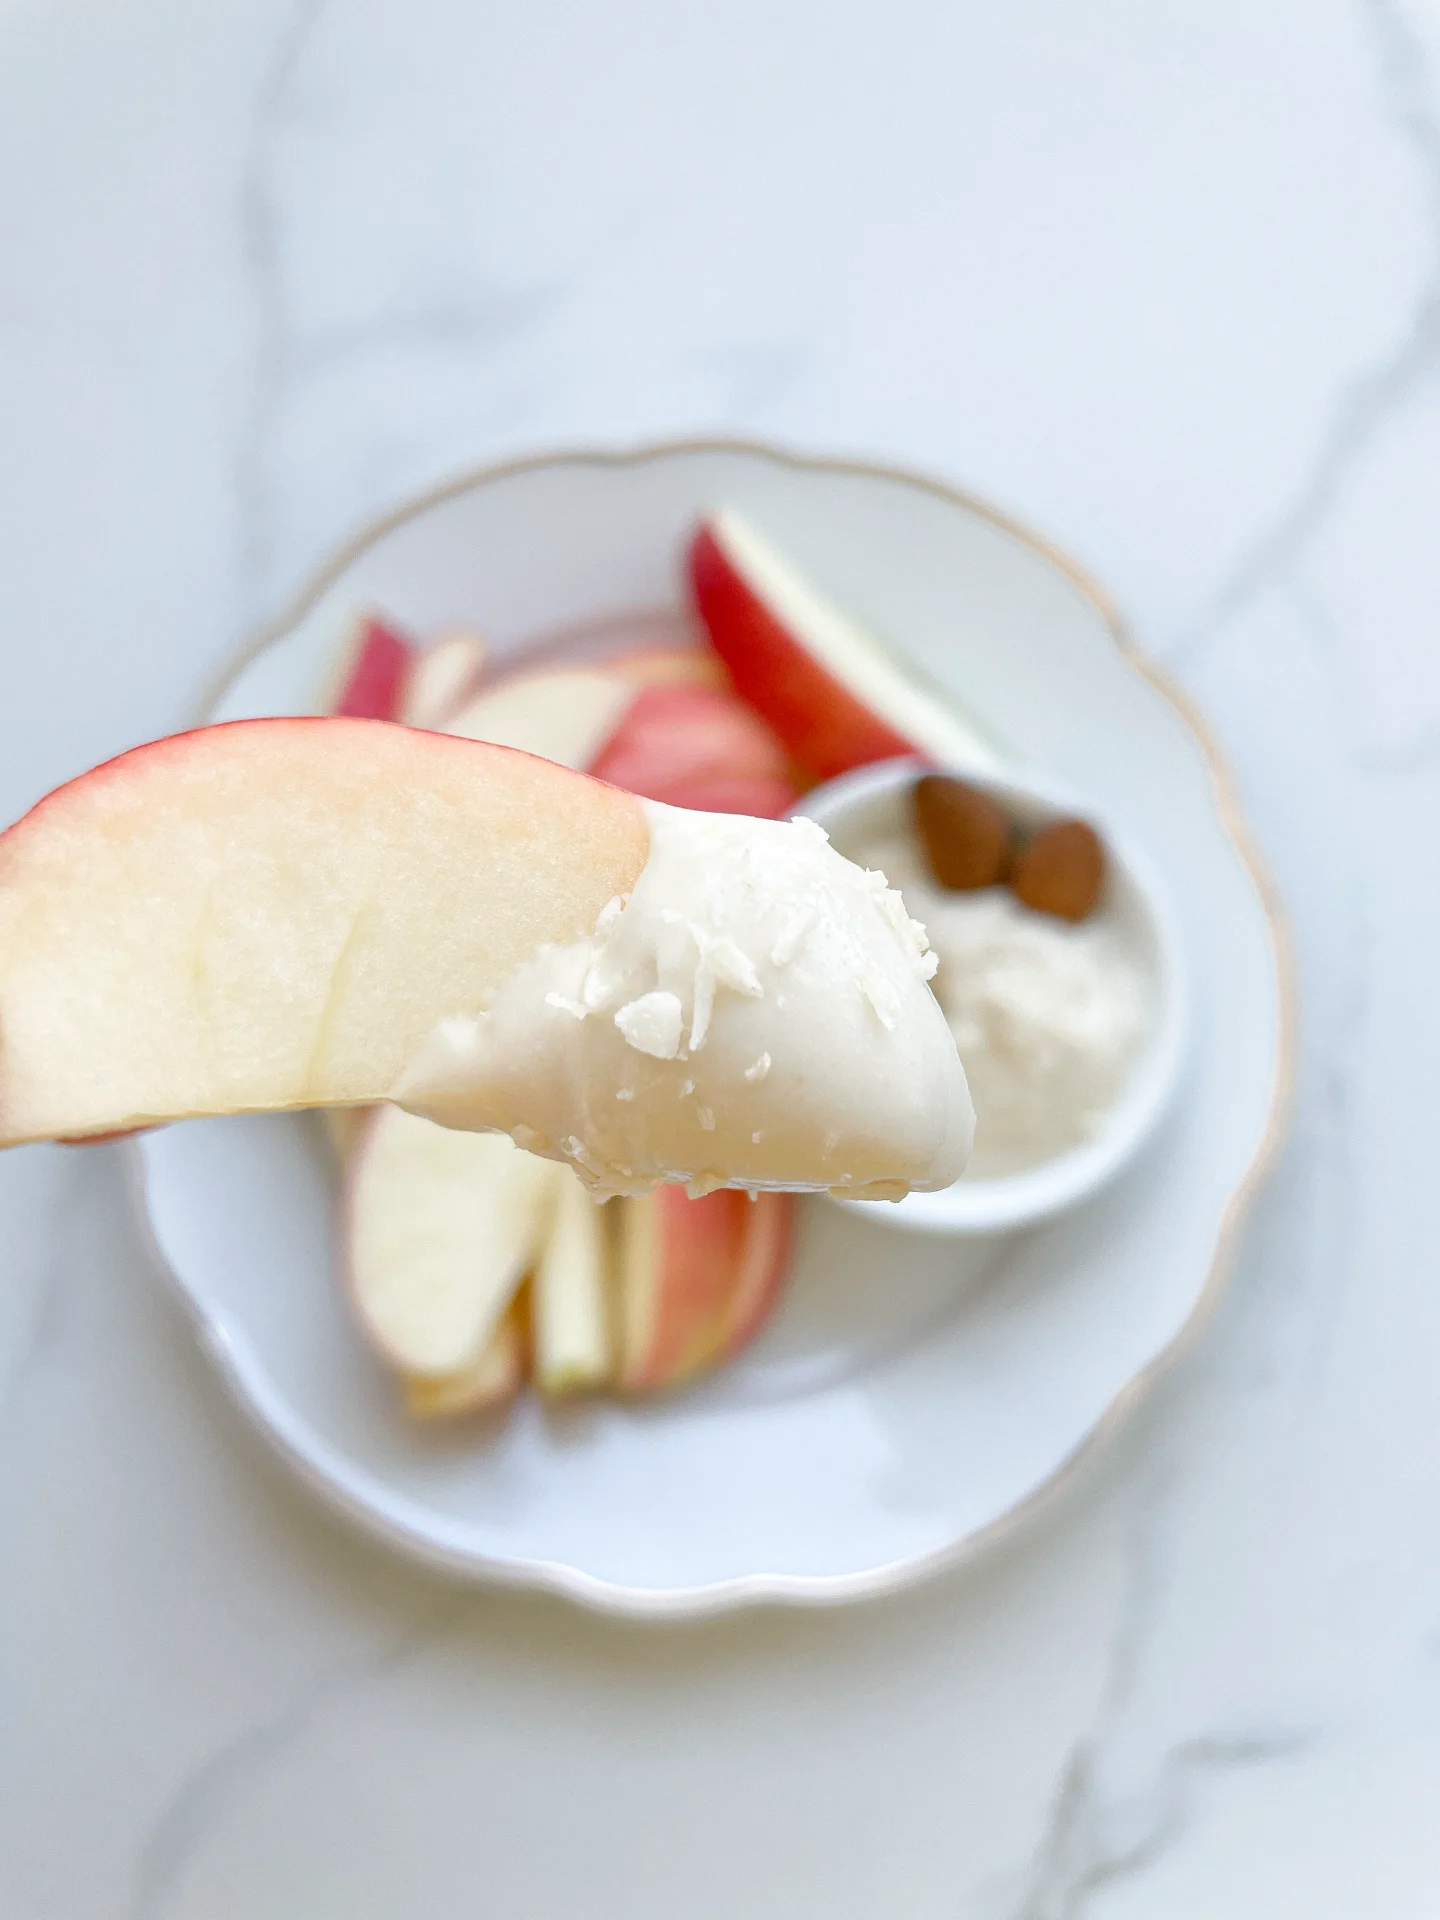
874	802
914	1395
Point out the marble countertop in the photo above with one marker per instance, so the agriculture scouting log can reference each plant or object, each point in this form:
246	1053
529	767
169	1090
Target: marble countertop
1164	282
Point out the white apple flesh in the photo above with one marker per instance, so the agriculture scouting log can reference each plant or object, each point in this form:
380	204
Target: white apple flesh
833	695
277	913
567	714
440	1228
441	678
571	1295
668	666
484	1384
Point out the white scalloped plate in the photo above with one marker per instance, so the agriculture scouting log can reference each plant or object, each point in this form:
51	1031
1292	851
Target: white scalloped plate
914	1394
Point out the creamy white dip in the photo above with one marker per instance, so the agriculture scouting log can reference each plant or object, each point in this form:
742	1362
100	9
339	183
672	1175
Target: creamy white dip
755	1014
1048	1016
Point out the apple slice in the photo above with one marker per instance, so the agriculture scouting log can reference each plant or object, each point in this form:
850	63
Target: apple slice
718	793
276	913
831	692
440	1228
697	1279
487	1383
668	666
343	1128
441	678
571	1294
675	738
368	681
565	713
427	687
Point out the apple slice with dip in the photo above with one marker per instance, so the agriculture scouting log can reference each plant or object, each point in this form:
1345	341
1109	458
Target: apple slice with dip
296	913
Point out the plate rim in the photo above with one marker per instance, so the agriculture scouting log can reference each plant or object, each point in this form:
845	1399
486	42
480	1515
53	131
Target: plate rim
808	1590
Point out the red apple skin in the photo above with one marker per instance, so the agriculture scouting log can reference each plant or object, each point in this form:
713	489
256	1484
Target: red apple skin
674	737
764	799
106	844
379	662
720	1264
823	726
101	1139
769	1247
696	1247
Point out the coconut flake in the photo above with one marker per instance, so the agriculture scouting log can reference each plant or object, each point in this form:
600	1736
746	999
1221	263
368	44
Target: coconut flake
787	943
734	968
596	989
703	1006
724	963
881	995
609	914
910	933
652	1024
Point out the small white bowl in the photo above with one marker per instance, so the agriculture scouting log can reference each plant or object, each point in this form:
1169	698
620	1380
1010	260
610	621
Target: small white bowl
874	802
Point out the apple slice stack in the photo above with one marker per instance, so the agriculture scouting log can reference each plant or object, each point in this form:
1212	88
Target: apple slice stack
472	1265
380	673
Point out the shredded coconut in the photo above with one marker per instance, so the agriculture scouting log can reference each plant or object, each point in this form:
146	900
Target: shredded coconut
751	967
881	995
1048	1016
652	1024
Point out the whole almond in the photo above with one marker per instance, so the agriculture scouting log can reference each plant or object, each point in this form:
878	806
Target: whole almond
965	834
1061	871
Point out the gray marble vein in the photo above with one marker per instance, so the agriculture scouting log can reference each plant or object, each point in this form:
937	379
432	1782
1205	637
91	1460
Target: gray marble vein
1078	1862
204	1795
262	248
